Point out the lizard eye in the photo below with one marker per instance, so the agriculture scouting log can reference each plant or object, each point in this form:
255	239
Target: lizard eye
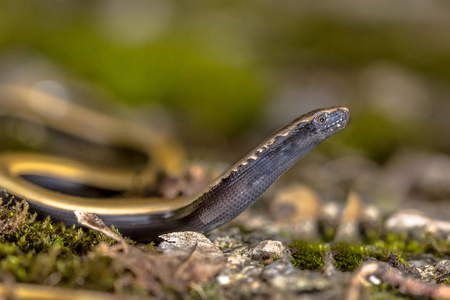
321	119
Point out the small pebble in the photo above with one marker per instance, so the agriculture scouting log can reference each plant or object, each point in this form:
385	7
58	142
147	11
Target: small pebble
443	267
374	280
269	248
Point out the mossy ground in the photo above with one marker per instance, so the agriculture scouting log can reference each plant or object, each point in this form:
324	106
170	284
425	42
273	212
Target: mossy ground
308	256
349	256
42	252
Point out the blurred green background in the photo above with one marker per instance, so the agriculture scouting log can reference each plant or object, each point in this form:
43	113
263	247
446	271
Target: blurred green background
225	72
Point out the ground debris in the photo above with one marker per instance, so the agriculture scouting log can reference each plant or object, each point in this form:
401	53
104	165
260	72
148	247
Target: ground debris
187	257
194	261
376	272
418	225
12	213
442	270
406	269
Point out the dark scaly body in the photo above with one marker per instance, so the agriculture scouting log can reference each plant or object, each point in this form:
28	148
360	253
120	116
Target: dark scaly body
225	198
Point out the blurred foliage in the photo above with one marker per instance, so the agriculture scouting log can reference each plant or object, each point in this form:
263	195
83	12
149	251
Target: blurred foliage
333	41
216	66
379	135
174	69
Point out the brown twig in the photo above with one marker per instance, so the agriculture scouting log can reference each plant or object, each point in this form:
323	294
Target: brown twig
404	283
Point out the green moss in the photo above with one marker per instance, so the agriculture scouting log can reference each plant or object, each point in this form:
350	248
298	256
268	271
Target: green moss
59	268
308	256
311	256
26	233
348	257
41	252
403	245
